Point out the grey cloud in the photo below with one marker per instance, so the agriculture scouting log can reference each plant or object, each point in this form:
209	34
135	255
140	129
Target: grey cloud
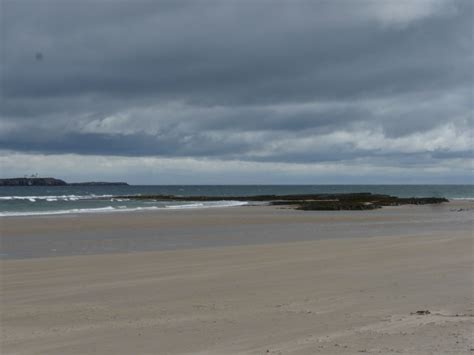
230	80
213	54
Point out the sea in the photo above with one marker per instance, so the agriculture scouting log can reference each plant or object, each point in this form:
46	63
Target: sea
58	200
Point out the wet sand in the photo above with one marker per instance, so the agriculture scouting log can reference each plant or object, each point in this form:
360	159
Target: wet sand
65	235
316	282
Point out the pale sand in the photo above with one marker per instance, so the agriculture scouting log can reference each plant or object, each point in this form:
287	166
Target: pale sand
329	296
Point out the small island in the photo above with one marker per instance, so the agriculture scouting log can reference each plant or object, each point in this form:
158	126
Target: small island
49	181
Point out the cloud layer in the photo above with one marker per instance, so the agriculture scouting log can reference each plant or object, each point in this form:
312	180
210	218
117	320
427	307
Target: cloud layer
385	86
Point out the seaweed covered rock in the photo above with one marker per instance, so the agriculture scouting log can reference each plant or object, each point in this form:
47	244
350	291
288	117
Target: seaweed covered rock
310	202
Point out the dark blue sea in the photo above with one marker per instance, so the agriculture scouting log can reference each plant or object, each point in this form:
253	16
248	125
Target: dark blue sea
41	200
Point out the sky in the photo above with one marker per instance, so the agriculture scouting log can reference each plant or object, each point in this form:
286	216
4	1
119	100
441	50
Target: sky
238	92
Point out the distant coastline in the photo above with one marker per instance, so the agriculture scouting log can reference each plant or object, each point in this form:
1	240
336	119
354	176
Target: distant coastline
49	181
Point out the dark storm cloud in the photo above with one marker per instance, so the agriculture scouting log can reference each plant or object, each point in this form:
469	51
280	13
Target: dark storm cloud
125	145
227	53
302	81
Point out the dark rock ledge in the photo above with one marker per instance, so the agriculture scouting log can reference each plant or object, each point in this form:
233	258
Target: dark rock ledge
319	202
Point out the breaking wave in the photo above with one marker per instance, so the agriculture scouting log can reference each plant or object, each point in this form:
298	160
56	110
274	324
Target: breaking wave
209	204
54	198
109	209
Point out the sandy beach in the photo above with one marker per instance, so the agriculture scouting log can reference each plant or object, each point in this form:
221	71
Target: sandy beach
244	280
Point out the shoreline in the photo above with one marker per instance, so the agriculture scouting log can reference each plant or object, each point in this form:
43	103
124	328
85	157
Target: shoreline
107	210
108	233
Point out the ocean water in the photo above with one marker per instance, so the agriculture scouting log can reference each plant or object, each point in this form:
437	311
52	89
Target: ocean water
46	200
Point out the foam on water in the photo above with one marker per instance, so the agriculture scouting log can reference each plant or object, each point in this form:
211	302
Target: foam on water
71	211
209	204
213	204
54	197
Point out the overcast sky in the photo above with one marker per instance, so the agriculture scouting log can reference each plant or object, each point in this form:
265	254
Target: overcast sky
249	91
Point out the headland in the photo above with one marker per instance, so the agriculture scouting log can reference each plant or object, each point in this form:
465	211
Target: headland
49	181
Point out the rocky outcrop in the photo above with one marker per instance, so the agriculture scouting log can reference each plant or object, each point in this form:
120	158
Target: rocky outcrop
320	202
359	202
